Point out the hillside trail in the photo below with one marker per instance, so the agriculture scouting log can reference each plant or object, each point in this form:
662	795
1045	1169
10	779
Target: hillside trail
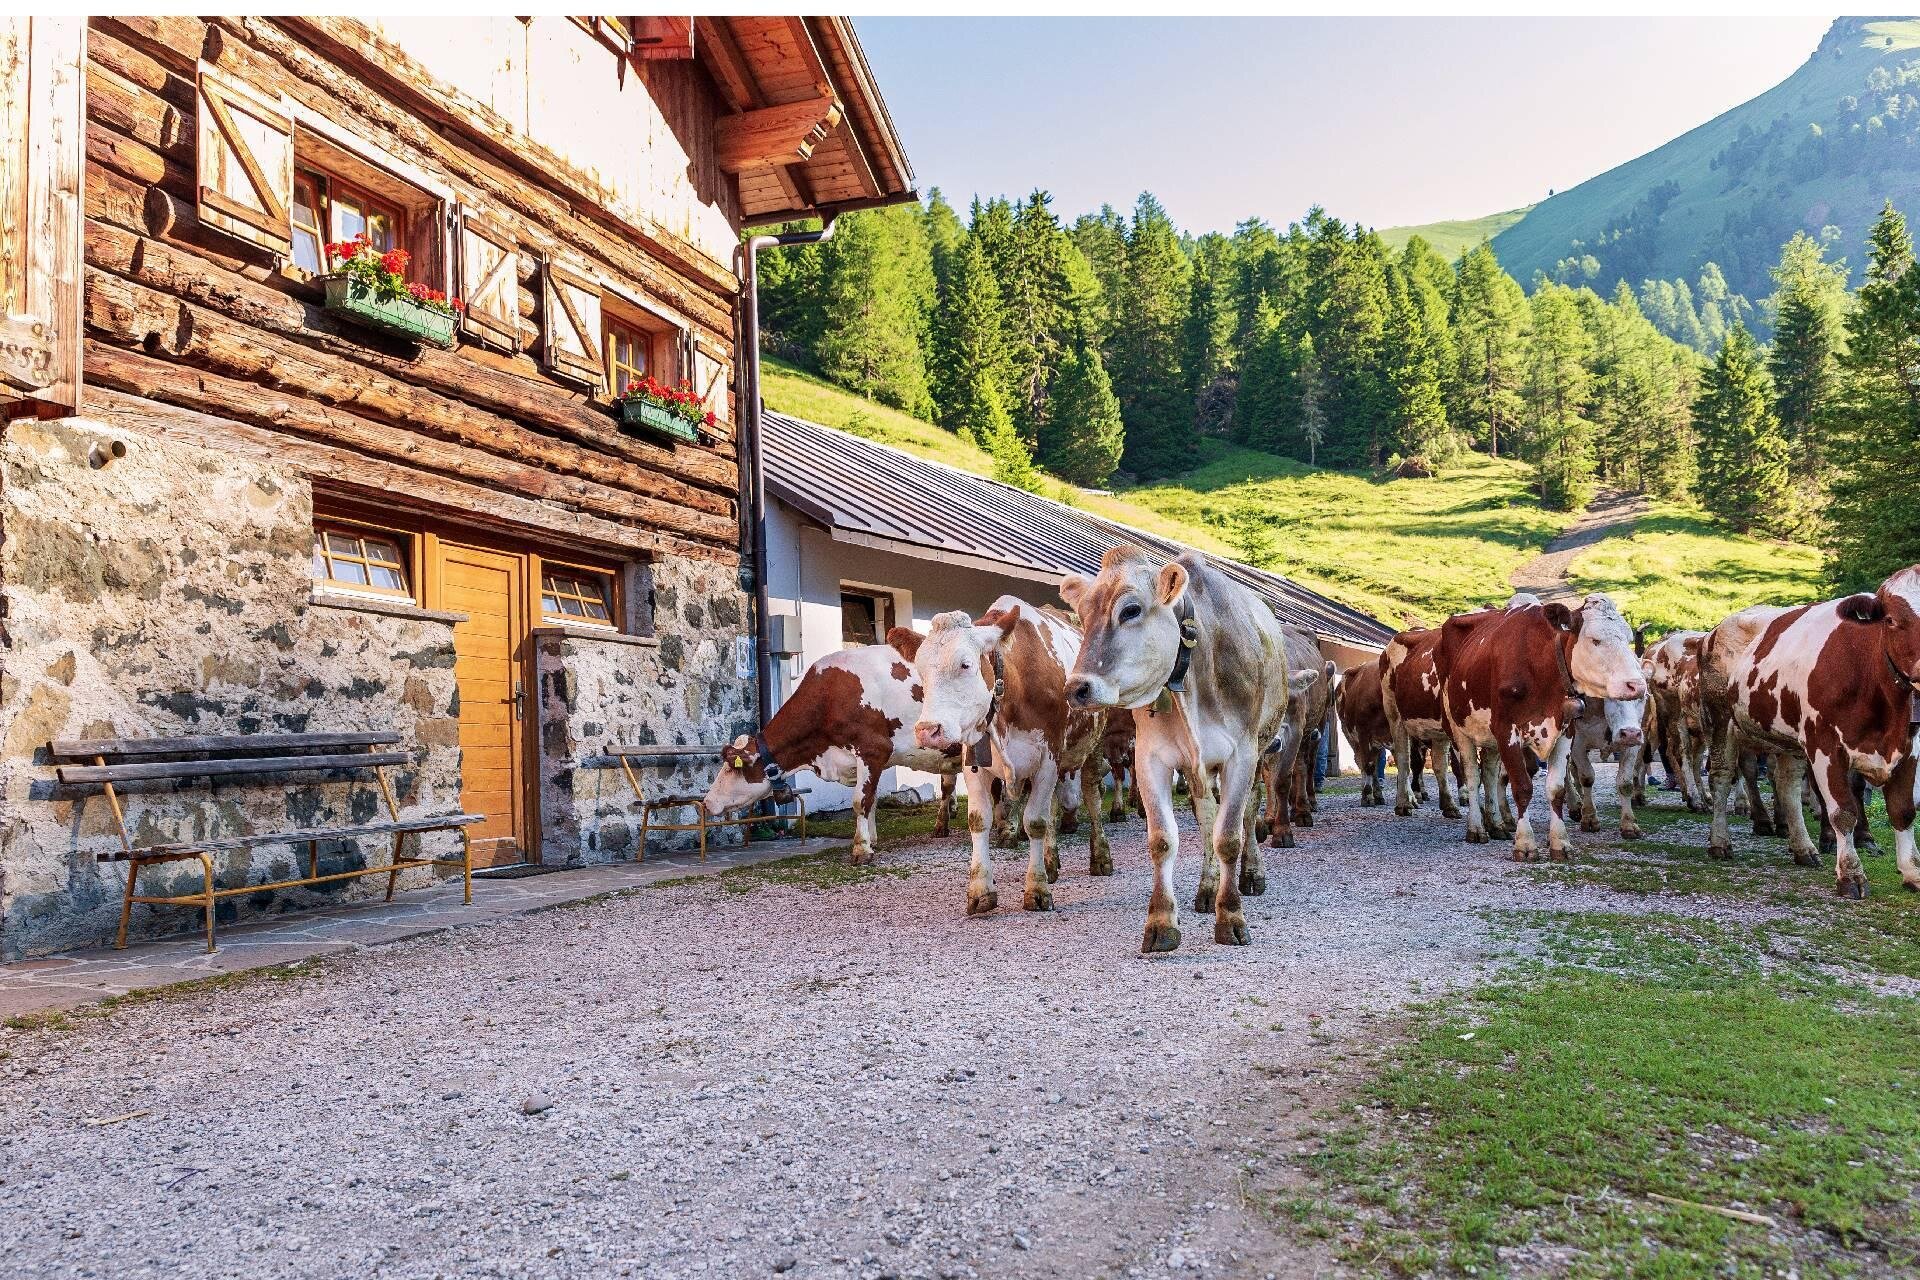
1611	512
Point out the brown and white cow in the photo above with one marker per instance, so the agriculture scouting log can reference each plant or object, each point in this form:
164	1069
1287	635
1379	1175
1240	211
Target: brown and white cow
849	719
1203	664
1603	727
1002	682
1730	750
1514	680
1410	694
1831	687
1363	718
1673	682
1116	747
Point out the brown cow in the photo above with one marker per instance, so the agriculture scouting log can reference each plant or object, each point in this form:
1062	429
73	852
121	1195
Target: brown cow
1831	687
1673	678
1117	748
849	719
1514	680
1289	771
1363	718
1001	685
1410	694
1730	751
1207	656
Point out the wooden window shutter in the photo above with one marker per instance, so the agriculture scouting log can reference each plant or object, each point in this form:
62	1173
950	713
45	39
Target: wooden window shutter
710	380
489	281
42	168
570	324
244	157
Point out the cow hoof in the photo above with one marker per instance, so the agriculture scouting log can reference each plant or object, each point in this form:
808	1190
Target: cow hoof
1763	827
1694	806
1589	824
1039	898
1159	938
1452	815
1303	820
1868	845
941	831
978	904
1070	821
1261	830
1203	900
1854	887
1100	862
1911	886
1403	811
1559	855
1283	840
1806	858
1526	855
1720	852
860	858
1253	885
1630	831
1476	837
1231	931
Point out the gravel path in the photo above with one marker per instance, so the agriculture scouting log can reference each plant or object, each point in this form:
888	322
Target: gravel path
857	1081
1609	513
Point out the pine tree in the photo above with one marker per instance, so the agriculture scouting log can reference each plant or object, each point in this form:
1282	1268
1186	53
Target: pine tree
1267	410
1561	438
1346	301
1145	360
1037	295
1809	313
970	357
1743	457
1874	519
1488	322
944	234
1012	463
1083	435
1102	240
875	298
1207	332
1416	410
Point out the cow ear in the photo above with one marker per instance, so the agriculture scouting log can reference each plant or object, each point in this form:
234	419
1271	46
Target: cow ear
1563	618
1692	644
1864	607
1072	588
1001	625
1172	583
905	641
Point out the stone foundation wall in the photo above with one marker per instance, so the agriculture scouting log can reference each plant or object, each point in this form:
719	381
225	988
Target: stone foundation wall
167	592
600	693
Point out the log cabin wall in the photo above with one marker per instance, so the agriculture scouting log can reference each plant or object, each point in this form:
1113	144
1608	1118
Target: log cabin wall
212	360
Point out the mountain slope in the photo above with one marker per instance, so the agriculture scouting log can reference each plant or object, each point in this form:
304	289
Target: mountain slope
1453	238
1824	147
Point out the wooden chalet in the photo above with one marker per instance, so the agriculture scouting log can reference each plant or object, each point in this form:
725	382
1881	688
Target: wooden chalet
238	499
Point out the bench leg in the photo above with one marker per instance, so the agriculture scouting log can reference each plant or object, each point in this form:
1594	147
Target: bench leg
646	825
466	862
703	833
393	876
206	871
126	903
801	801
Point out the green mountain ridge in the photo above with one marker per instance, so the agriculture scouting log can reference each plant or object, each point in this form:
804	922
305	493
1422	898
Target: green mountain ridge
1823	148
1452	237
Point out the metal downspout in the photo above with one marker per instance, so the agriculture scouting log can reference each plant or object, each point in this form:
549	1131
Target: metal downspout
750	461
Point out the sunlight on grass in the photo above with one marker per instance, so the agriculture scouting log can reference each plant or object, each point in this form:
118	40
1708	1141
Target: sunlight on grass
1680	569
1394	548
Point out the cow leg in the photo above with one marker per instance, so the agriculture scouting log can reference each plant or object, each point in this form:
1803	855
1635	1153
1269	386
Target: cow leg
1264	787
1281	802
1043	851
1580	779
1070	793
1099	853
1632	764
1722	760
866	784
1204	813
1476	808
981	897
1443	783
1501	790
1693	752
1117	809
1520	778
1862	832
1750	776
1403	773
1559	762
1155	781
1789	784
1900	807
943	823
1422	758
1229	839
1303	780
1830	776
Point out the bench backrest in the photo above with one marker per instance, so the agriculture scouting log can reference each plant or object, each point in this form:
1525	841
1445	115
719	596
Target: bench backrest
236	755
661	755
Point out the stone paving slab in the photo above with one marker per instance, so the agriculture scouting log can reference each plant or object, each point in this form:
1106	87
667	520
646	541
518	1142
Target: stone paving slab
68	979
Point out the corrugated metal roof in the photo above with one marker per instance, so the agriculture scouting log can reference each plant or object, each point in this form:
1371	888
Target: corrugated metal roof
872	493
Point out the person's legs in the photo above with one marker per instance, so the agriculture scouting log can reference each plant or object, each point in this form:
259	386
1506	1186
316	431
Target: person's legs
1322	760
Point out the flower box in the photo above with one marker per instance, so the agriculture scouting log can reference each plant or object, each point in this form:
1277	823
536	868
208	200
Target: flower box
402	316
640	414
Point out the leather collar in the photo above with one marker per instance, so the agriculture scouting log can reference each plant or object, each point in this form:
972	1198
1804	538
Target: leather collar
979	755
1900	677
1567	685
763	754
1189	639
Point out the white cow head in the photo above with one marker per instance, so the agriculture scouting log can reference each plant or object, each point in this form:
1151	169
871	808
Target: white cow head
1130	632
1602	661
1626	721
742	779
957	700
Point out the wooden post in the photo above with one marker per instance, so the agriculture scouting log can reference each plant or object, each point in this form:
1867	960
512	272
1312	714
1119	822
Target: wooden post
42	226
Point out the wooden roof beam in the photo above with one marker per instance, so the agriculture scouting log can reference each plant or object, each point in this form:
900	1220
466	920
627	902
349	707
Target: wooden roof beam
773	135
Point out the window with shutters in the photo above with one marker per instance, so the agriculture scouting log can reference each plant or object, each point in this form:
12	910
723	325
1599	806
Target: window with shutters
330	210
639	345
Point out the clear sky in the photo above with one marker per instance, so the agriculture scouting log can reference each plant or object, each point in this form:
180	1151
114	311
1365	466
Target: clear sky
1385	121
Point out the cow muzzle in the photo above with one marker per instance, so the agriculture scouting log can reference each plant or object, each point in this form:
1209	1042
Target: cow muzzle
1089	691
932	735
1627	690
1628	737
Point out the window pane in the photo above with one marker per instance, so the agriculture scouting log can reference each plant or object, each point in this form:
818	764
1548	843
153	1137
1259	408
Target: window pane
570	606
383	551
343	544
306	251
385	576
348	222
549	604
380	231
595	609
350	571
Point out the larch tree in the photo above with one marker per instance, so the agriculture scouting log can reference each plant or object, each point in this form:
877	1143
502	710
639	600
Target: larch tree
1145	346
970	355
1557	385
1744	476
875	300
1488	322
1083	435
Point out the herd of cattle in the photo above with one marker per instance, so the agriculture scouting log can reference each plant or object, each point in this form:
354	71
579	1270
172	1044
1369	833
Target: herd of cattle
1178	671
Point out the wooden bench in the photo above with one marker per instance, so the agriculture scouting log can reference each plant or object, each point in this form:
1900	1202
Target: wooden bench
653	756
139	760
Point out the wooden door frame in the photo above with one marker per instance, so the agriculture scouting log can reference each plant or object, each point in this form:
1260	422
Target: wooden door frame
432	547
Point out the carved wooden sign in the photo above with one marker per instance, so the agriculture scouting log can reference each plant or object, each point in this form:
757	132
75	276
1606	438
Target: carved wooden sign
42	165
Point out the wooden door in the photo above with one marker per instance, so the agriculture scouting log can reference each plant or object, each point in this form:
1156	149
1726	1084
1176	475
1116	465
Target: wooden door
490	661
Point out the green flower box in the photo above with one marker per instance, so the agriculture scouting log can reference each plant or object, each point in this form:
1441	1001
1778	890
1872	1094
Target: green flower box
403	317
637	413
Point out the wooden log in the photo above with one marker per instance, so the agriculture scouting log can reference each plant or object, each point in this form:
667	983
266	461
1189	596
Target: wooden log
84	748
72	773
114	199
107	48
351	474
135	160
499	385
128	109
786	134
177	40
262	406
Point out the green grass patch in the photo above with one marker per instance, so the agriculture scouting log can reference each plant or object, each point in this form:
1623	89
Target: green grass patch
1426	547
1452	237
1677	568
1643	1055
67	1019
